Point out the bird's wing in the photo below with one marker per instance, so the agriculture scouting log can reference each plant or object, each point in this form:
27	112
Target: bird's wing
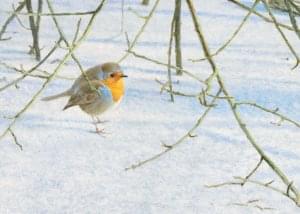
91	73
83	98
85	95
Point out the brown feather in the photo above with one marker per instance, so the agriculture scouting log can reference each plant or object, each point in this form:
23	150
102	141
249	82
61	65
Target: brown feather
85	96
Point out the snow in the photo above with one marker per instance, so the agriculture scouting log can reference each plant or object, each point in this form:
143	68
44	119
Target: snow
65	168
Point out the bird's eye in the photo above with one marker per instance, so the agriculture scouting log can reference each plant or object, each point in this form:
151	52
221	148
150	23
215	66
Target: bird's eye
112	75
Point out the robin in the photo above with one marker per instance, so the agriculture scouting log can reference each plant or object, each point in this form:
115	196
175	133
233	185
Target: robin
98	72
98	95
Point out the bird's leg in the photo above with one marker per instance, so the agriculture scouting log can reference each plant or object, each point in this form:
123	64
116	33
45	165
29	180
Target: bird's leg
97	129
95	120
101	121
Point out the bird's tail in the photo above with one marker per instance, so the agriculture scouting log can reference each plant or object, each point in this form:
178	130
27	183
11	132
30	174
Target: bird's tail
53	97
68	106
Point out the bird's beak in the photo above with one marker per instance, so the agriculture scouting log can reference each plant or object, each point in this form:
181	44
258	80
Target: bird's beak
123	75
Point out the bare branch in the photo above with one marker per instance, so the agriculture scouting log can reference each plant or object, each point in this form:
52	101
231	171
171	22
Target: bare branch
56	70
15	139
61	33
34	26
260	15
139	33
169	57
177	35
28	73
285	39
54	14
293	20
188	73
235	33
241	181
11	17
19	21
254	170
180	141
232	105
274	112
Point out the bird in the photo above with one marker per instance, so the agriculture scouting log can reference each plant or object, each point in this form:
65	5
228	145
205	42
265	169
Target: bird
98	72
98	95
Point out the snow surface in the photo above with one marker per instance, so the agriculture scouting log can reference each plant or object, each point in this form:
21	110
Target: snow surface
65	168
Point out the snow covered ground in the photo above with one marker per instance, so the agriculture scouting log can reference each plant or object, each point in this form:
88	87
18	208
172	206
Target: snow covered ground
65	168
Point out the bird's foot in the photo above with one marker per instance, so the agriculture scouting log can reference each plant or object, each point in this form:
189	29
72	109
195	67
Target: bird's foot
101	132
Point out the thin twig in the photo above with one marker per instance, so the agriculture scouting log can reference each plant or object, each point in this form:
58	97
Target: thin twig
178	93
206	51
260	15
289	188
274	112
54	14
254	170
11	17
19	20
170	56
28	73
77	31
164	87
44	75
139	33
122	16
232	105
293	20
61	33
240	181
295	6
285	39
188	73
252	203
15	139
22	71
235	33
136	13
56	70
181	140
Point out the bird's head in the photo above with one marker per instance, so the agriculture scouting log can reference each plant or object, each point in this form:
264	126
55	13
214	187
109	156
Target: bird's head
115	77
108	68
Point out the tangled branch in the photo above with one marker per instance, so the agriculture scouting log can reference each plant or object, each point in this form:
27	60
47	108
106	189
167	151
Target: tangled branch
56	70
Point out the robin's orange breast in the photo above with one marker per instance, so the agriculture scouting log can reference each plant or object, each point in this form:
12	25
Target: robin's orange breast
117	89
